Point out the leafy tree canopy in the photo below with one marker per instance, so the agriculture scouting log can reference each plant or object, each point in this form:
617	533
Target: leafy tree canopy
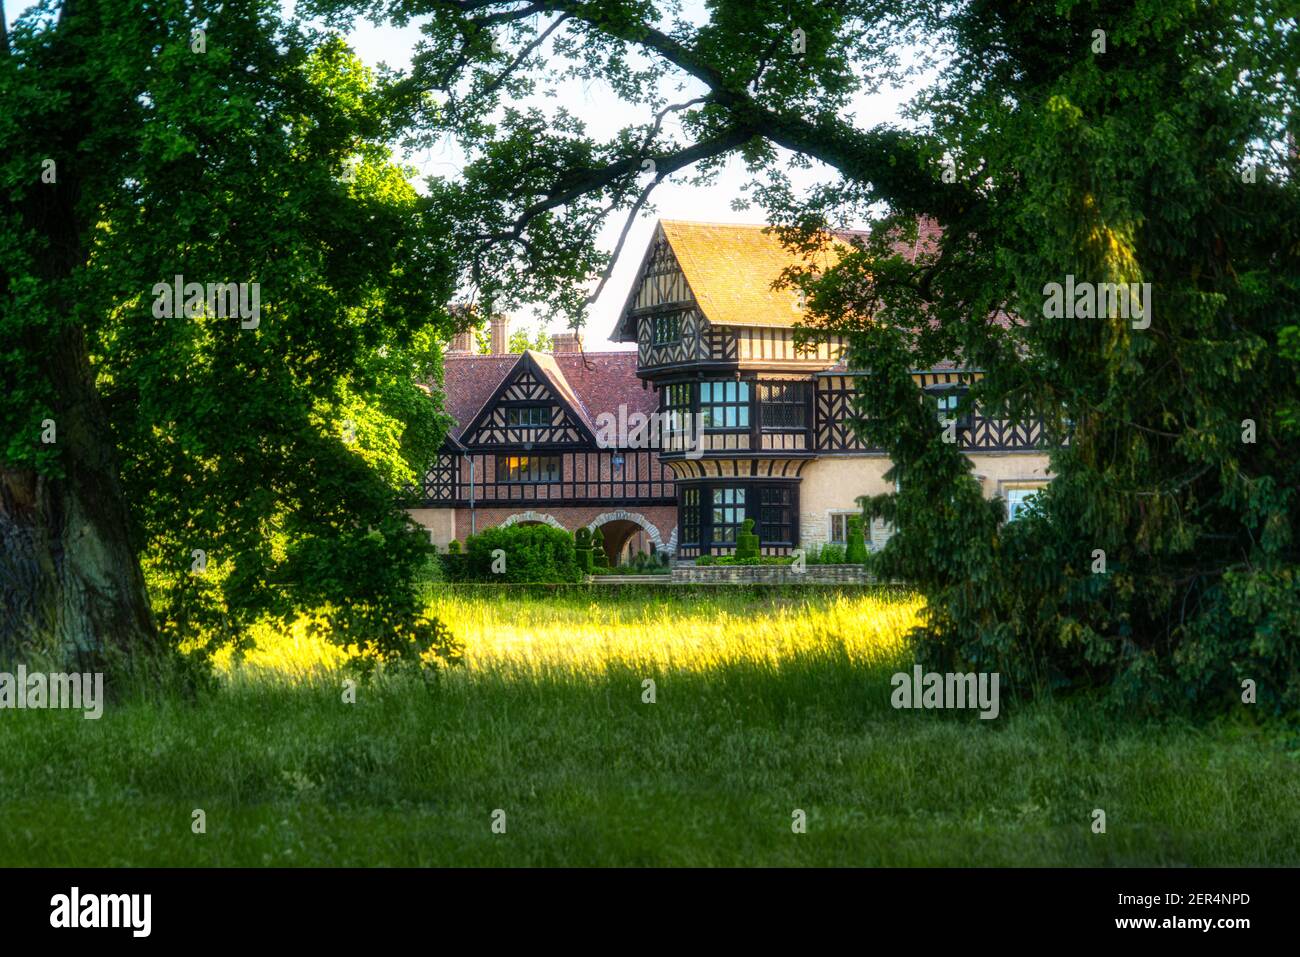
250	464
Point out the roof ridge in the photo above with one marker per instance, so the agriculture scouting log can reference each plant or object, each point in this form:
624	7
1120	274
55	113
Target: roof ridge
711	222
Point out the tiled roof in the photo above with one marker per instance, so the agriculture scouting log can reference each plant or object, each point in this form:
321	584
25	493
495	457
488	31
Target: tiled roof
731	268
592	382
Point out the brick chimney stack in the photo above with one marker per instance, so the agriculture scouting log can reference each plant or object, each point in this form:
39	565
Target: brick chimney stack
500	334
462	343
566	342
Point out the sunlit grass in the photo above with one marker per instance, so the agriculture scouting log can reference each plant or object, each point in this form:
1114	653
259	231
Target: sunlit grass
590	636
581	633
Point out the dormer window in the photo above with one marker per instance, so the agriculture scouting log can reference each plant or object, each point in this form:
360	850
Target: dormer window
528	417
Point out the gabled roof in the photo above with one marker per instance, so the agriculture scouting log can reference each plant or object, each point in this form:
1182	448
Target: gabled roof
590	383
730	269
549	369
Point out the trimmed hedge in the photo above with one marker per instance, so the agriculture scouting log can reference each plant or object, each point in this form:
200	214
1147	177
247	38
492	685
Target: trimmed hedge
531	554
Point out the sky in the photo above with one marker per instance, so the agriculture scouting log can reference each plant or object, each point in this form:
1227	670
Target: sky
596	105
675	198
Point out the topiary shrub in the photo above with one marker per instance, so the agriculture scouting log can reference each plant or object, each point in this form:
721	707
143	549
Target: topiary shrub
855	551
582	545
533	553
598	557
453	547
746	541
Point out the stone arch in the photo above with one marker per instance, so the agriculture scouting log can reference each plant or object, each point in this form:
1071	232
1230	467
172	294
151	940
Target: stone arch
523	517
626	518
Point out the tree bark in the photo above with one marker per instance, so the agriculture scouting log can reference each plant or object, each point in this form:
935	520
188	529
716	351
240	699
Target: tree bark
71	588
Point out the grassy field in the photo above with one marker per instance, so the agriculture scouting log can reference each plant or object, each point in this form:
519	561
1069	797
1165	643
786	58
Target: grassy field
763	704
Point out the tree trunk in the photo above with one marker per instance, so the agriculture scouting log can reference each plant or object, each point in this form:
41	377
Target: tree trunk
71	589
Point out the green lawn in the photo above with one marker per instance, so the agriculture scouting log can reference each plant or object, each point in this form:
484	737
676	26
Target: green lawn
764	704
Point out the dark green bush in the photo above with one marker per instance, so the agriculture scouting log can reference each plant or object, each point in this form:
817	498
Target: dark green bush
746	540
750	560
582	545
855	551
533	553
455	567
831	555
634	570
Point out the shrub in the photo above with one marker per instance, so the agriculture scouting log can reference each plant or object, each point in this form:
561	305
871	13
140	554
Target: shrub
455	567
746	540
453	547
751	560
831	555
533	553
582	545
855	551
598	557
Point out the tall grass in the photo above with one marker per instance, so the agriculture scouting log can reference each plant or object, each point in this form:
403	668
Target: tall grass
764	702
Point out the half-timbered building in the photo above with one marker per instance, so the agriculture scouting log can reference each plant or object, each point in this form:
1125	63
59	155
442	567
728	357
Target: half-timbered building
716	338
716	344
524	448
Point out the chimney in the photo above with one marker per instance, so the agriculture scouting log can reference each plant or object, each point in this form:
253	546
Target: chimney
566	342
500	329
462	343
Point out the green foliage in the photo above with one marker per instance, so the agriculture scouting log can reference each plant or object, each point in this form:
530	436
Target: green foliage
532	553
855	550
830	554
283	451
746	541
521	342
598	557
582	546
744	560
635	570
1162	561
453	547
648	561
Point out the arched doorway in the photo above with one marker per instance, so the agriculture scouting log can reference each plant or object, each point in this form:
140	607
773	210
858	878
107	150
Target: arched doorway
625	535
620	539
